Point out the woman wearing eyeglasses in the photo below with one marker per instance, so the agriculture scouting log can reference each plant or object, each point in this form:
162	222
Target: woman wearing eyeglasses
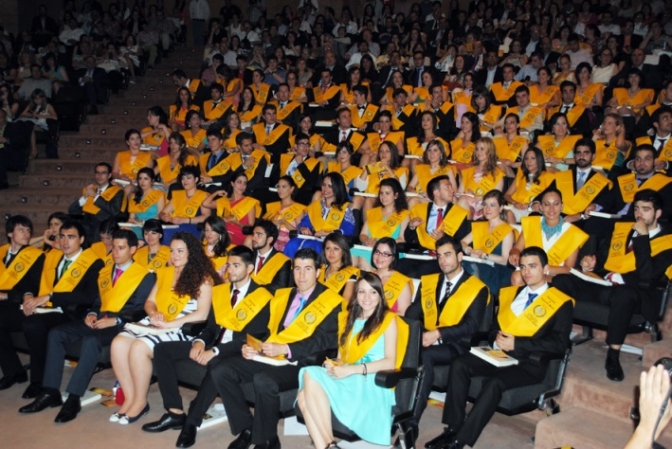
398	289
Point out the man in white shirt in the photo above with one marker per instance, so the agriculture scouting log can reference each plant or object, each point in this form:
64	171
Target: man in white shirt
607	27
529	71
199	11
577	54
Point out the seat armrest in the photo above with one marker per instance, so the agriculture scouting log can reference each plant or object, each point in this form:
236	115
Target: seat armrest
133	316
194	328
476	339
390	378
544	358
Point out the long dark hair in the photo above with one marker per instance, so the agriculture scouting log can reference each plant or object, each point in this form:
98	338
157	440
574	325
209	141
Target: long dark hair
198	269
179	138
354	310
160	113
541	164
178	103
475	124
395	159
138	190
218	225
340	192
400	202
389	241
342	242
253	101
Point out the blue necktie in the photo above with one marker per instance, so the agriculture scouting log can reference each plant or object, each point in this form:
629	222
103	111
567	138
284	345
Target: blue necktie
530	298
302	304
212	161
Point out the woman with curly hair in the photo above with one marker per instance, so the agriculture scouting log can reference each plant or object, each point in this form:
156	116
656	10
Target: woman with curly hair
483	176
177	112
168	167
216	242
182	294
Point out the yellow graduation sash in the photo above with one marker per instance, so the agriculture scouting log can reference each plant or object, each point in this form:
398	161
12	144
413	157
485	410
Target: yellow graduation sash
628	184
541	98
101	250
321	97
665	154
624	99
160	260
11	275
180	115
451	223
486	184
424	173
586	98
235	160
566	145
334	217
290	213
219	262
146	202
192	140
528	117
51	261
113	298
620	260
577	203
394	286
246	308
131	169
375	139
374	181
240	209
187	208
501	94
491	116
219	169
230	142
287	110
458	303
285	161
509	151
90	208
303	325
155	139
569	241
522	194
297	93
269	269
169	303
337	280
485	240
423	94
407	110
260	133
354	350
367	116
462	154
250	115
168	173
462	98
534	316
193	87
261	95
72	276
605	156
380	226
211	113
348	174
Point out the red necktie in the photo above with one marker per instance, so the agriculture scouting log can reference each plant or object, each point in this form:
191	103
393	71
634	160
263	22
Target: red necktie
260	264
234	298
117	274
439	218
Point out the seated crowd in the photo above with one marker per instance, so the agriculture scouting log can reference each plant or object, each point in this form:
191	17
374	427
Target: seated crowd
503	157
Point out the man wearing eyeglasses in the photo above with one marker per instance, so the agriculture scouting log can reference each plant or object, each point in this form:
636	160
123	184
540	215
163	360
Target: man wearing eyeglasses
100	200
306	171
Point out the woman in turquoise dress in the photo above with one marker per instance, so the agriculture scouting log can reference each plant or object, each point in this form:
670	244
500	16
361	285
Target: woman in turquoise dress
147	201
371	339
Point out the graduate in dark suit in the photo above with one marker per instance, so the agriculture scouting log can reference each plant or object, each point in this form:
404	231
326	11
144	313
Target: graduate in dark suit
207	349
123	288
272	269
517	335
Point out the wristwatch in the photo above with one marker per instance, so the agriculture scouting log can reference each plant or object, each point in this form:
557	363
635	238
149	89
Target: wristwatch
583	216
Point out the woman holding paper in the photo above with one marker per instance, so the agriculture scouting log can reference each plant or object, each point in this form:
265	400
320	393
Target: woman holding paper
531	180
371	339
286	213
127	164
483	176
146	202
182	294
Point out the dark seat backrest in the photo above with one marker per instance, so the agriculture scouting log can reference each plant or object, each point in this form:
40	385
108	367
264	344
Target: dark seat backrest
404	392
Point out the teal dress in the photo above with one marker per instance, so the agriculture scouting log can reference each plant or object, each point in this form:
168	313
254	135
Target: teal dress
357	402
151	212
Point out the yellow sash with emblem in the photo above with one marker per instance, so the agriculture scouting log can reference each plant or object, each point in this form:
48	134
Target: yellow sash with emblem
628	184
620	260
348	174
549	149
534	316
460	97
354	350
230	142
290	213
219	169
389	92
541	98
109	193
451	223
155	138
113	297
528	117
374	181
396	284
424	174
303	325
11	275
187	208
261	94
461	153
380	226
572	239
375	139
501	94
269	269
235	160
169	303
160	260
509	151
337	280
586	98
484	239
297	93
287	110
525	196
407	110
260	133
664	154
193	87
331	223
286	160
321	97
101	250
251	115
240	209
193	141
72	276
146	202
367	116
129	168
459	301
486	184
218	111
246	309
605	155
625	99
180	115
169	173
577	203
491	116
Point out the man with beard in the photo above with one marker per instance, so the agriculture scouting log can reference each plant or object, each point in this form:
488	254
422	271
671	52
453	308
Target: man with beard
272	268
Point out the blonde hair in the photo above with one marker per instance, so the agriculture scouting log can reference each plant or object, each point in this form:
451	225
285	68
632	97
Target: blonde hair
491	164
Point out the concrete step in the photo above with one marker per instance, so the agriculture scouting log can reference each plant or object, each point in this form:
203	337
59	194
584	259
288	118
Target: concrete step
86	153
99	141
108	129
56	181
65	166
37	214
118	119
54	199
655	351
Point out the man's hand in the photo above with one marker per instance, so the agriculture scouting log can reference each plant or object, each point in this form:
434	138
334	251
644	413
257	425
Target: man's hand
248	352
514	258
30	303
90	321
196	350
274	349
91	190
104	323
660	165
437	233
640	227
505	342
430	337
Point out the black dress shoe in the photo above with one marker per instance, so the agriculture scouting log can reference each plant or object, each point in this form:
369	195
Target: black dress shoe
33	391
69	410
455	444
167	421
44	400
8	381
443	440
273	443
614	370
243	441
187	437
411	436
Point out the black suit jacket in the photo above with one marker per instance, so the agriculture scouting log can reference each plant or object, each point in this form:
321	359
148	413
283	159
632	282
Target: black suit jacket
50	25
617	202
384	74
339	74
133	309
29	283
99	76
283	277
257	327
108	209
80	299
481	76
470	323
412	75
411	236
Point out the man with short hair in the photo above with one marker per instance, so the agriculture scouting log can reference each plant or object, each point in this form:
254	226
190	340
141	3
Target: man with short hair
306	171
271	135
123	289
444	112
363	113
93	80
274	75
491	72
404	115
661	139
180	79
531	117
288	112
69	282
214	110
212	165
272	268
414	75
577	54
529	71
343	133
327	95
20	271
99	201
503	91
451	306
578	118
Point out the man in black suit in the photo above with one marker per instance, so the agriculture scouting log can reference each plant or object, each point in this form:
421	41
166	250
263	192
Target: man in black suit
123	289
635	261
414	75
661	121
14	146
20	270
385	75
579	119
445	332
207	349
272	269
271	135
302	326
652	79
343	133
43	27
338	71
327	95
550	56
70	279
94	82
99	201
491	72
513	334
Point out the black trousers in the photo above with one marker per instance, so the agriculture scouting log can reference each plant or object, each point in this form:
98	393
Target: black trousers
269	381
438	355
499	380
623	301
166	357
11	320
36	329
